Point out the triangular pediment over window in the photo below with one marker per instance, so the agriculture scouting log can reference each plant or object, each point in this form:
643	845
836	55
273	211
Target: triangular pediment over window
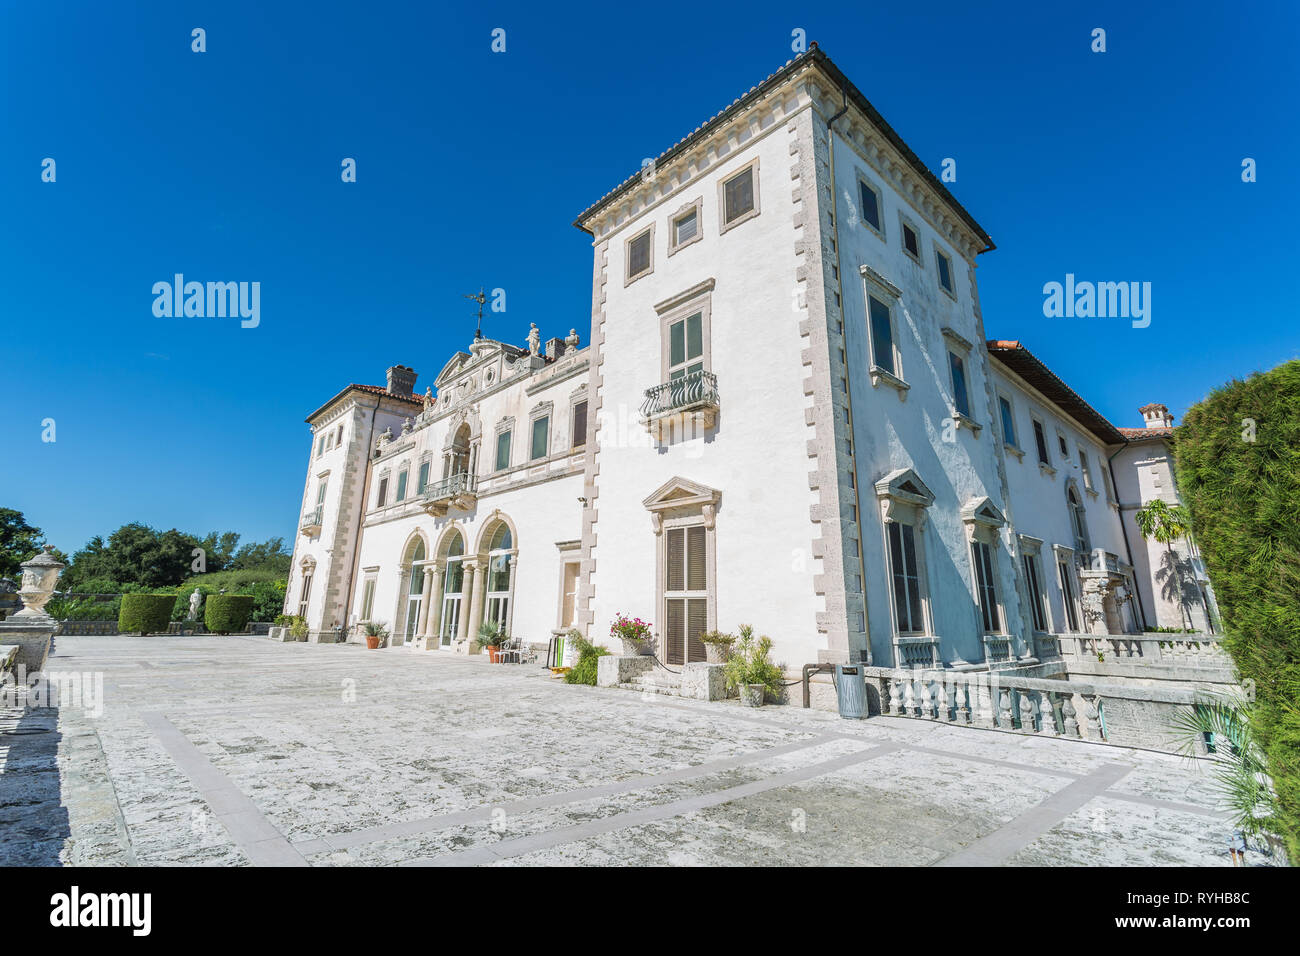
905	485
681	492
981	512
454	365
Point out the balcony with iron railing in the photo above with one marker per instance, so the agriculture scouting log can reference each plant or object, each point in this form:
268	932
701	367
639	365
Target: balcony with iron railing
455	491
312	522
689	400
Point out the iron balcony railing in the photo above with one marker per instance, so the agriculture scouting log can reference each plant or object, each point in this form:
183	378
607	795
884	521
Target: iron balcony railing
312	519
690	391
451	486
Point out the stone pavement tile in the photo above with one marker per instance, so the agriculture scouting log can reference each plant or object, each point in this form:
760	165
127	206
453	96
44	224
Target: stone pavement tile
1108	832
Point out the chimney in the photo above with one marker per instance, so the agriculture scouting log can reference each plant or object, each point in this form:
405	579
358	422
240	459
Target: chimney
401	380
1156	415
554	348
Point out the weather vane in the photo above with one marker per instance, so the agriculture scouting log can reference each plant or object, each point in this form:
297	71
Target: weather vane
480	299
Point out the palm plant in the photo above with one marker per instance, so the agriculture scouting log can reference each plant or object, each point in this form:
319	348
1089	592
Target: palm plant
1167	523
1222	724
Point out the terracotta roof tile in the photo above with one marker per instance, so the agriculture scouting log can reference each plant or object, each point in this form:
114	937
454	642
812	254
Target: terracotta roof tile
1138	434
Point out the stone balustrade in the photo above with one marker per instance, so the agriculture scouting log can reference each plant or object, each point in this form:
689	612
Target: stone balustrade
1149	647
1130	716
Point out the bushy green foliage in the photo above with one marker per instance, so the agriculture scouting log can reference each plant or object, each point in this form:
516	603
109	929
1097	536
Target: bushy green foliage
19	542
227	613
84	609
750	663
584	671
1238	461
145	613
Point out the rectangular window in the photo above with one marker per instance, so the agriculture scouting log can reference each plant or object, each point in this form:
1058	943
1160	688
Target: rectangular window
882	336
401	486
1008	423
382	495
541	437
1067	595
320	446
738	196
1040	438
1065	449
870	205
638	255
368	599
686	346
906	577
579	424
944	270
911	245
305	596
986	586
422	482
1035	588
503	451
1083	467
686	593
320	493
686	228
960	395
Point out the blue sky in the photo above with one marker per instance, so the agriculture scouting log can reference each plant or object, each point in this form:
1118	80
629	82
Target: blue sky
472	166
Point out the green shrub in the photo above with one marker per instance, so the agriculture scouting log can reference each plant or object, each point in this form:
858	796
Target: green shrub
584	671
750	664
84	608
1238	461
298	626
227	613
145	613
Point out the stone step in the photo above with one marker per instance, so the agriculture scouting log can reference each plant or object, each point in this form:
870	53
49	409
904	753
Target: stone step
657	682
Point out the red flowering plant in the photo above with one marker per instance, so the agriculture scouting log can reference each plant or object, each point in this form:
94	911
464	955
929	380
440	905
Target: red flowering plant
630	629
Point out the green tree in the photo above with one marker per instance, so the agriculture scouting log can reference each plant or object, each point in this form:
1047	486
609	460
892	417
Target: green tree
1167	523
19	542
264	554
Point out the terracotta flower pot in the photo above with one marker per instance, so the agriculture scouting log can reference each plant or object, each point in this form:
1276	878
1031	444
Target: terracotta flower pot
372	642
494	654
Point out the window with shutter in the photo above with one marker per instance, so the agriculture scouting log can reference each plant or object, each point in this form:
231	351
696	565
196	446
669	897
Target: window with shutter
739	196
686	593
401	486
870	205
423	481
960	393
503	451
1067	595
906	577
579	424
638	255
1034	586
882	335
986	586
541	437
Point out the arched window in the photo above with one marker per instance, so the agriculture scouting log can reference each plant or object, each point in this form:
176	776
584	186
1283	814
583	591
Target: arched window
500	575
453	583
458	461
414	593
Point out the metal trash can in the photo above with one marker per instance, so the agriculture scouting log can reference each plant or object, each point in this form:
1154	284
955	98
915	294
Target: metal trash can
851	690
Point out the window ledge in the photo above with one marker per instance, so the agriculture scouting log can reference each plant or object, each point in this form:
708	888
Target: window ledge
689	242
965	421
880	376
1091	492
1020	455
1048	470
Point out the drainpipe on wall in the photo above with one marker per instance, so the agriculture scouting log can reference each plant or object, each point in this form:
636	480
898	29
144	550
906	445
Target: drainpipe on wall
1128	550
848	378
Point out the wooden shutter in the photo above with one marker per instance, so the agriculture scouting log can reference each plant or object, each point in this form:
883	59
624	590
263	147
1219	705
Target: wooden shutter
696	568
697	622
675	565
676	625
579	424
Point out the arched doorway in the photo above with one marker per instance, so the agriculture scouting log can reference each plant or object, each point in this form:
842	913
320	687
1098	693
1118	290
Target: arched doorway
414	597
500	575
453	584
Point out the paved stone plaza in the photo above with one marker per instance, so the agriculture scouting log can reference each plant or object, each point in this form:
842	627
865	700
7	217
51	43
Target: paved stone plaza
239	750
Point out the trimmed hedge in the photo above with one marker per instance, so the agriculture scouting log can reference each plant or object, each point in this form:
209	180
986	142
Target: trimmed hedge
227	613
145	613
1238	461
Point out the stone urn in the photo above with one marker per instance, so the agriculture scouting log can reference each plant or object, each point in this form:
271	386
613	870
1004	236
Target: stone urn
716	653
751	695
39	576
637	648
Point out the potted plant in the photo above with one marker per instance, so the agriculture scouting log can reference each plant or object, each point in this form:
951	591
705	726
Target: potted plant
375	632
491	636
717	646
298	628
751	669
635	635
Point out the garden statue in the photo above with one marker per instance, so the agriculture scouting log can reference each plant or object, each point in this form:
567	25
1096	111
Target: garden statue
534	339
195	600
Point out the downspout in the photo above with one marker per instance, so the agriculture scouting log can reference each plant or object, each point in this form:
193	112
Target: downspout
1128	550
839	290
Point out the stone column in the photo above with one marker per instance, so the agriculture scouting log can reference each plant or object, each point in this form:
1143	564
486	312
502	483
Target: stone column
510	611
476	606
433	625
468	569
426	600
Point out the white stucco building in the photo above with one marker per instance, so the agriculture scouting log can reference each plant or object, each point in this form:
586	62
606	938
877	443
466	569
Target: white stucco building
788	415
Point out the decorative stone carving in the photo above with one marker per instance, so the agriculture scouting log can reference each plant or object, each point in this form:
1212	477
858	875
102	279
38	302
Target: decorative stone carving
534	339
196	598
39	577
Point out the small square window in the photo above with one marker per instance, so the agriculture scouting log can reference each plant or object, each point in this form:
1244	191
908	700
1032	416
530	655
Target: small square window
738	197
870	201
944	268
686	228
911	244
638	255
